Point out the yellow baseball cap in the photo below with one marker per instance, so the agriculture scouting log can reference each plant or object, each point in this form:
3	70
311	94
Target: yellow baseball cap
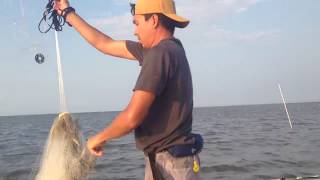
166	7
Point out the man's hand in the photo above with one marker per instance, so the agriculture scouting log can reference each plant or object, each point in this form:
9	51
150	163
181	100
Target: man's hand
60	5
95	145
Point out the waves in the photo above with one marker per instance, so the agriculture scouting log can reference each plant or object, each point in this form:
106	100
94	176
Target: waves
241	143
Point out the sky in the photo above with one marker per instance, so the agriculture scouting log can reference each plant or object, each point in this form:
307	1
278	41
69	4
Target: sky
238	51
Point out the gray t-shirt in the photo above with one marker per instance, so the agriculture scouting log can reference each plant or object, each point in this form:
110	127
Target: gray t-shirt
165	72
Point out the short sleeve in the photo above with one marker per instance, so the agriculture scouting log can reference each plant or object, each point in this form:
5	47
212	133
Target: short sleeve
135	49
154	73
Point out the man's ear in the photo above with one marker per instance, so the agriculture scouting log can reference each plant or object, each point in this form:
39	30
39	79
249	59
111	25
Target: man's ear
155	19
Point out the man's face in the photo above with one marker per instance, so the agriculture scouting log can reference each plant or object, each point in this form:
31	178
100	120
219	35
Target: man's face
144	30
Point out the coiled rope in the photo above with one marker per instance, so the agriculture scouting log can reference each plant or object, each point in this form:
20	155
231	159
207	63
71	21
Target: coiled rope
51	18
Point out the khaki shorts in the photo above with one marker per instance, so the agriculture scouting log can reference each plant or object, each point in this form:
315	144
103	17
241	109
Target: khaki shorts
173	168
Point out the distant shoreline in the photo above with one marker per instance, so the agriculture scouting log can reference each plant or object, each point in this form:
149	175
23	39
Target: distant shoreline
197	107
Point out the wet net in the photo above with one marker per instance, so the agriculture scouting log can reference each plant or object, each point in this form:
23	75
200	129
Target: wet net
65	156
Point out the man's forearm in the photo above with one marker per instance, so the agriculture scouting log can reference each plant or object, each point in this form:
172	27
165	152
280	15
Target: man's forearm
125	122
120	126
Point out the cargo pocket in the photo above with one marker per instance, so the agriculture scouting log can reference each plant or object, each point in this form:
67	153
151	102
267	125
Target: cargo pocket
183	168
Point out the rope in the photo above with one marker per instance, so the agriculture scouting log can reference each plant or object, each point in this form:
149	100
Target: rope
51	18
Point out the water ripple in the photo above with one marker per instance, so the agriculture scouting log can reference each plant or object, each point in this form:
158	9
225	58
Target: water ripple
241	143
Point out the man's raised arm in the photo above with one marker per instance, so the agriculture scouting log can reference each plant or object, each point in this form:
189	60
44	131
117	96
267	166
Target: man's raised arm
97	39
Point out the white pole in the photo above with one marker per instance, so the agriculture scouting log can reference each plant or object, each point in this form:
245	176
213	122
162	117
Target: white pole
284	103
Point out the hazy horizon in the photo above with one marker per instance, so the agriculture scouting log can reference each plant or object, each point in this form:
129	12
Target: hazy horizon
197	107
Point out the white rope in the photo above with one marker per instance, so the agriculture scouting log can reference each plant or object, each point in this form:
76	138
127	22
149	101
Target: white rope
63	103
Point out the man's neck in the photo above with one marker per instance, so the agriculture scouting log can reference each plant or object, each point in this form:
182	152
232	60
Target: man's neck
161	35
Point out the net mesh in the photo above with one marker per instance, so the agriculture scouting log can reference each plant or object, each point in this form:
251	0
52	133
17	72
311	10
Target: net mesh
65	156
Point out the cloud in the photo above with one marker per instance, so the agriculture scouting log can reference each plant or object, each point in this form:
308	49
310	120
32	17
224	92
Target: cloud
198	10
207	11
119	26
122	2
217	34
203	15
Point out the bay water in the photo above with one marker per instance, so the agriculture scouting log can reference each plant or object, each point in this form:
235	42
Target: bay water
241	143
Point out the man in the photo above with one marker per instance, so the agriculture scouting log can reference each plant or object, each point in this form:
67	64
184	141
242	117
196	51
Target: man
160	109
